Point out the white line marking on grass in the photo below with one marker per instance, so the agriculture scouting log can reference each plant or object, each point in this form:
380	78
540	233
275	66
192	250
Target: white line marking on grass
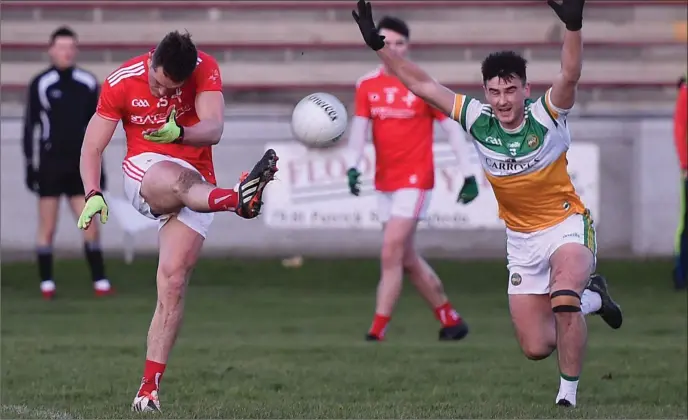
36	413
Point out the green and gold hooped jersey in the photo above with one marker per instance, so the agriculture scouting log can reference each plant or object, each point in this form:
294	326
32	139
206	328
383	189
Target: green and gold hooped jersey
526	166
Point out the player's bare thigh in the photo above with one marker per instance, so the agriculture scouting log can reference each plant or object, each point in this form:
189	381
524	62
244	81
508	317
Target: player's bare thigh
162	183
570	267
533	322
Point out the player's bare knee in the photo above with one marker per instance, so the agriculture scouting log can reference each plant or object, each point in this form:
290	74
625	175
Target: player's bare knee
45	235
172	280
410	260
537	350
392	253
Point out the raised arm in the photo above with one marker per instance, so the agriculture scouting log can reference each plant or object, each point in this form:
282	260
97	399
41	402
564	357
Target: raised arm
563	92
411	75
418	81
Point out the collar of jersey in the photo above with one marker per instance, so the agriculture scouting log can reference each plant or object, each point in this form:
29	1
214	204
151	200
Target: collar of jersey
514	130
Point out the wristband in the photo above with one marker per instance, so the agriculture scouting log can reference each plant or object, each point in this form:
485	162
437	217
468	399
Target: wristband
92	194
180	139
575	26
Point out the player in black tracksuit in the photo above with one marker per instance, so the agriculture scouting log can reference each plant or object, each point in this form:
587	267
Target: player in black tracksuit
61	101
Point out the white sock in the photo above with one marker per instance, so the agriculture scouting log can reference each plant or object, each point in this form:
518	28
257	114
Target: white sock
47	286
102	285
590	302
567	391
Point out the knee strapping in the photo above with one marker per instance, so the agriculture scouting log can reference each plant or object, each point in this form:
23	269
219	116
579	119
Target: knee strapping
565	301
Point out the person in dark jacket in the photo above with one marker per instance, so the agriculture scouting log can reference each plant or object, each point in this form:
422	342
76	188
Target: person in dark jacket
61	101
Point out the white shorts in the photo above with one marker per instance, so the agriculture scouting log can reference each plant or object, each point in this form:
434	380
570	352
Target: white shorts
528	253
408	203
135	167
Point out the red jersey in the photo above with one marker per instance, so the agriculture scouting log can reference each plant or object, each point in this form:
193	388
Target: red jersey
126	96
681	126
402	132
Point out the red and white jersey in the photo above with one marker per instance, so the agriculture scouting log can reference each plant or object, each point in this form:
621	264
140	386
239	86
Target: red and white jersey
126	96
402	132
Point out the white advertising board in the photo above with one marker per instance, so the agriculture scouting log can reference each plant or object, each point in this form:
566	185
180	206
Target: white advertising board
311	190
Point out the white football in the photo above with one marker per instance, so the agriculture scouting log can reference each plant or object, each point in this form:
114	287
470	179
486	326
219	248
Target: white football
319	120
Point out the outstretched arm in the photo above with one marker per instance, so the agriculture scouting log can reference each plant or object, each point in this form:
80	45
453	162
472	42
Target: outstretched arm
411	75
563	92
418	81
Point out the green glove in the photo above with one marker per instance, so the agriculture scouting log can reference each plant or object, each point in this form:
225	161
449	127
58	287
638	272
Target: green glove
95	204
170	132
354	182
469	191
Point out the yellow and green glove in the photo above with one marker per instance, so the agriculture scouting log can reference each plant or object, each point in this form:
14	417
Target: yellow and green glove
170	132
469	191
95	204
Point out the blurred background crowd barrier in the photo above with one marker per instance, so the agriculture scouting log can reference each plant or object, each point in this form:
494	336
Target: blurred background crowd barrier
273	53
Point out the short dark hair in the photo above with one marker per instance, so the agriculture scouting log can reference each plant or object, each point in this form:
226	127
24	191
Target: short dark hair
62	31
177	55
394	24
506	65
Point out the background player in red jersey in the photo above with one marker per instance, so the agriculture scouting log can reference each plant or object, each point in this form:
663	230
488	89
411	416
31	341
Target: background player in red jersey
171	105
404	175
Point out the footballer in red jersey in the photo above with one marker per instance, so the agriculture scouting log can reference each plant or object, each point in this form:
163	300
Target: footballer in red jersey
402	132
171	106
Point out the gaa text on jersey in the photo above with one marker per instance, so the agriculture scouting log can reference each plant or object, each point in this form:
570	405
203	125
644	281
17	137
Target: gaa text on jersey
139	103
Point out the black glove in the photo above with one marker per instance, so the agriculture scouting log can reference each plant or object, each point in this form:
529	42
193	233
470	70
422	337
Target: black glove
354	183
364	19
31	179
570	12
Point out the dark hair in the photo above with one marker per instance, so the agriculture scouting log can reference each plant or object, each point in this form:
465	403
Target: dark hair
394	24
506	65
62	31
177	55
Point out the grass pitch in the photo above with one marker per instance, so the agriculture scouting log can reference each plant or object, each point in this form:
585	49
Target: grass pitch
262	341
